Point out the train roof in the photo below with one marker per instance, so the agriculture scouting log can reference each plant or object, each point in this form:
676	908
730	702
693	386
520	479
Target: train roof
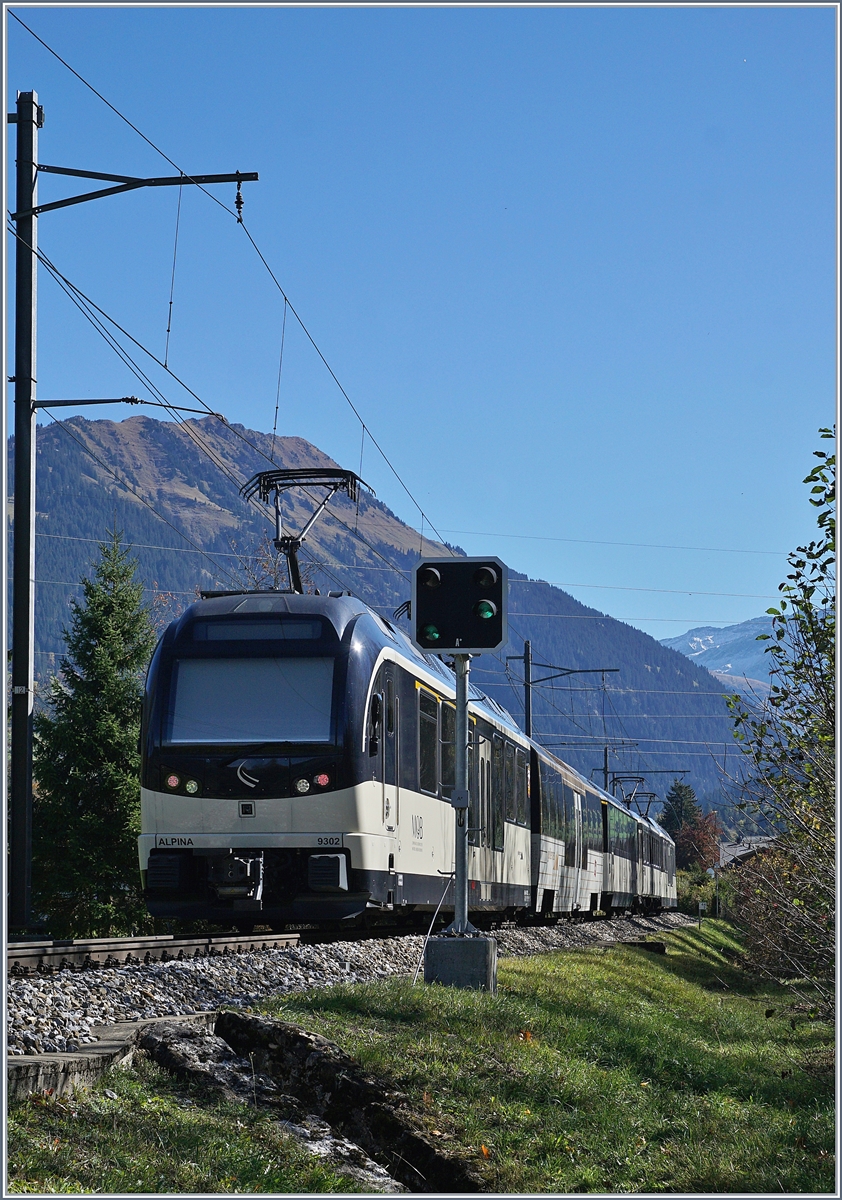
338	607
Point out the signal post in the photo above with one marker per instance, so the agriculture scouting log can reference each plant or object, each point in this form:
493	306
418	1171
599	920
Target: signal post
459	607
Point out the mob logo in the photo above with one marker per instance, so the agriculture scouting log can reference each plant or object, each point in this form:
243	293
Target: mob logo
417	828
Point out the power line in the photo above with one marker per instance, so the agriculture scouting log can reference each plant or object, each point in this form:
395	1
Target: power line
608	617
393	567
280	369
66	537
534	537
611	587
335	379
260	255
622	726
77	583
108	104
622	691
81	301
66	429
599	741
652	753
172	280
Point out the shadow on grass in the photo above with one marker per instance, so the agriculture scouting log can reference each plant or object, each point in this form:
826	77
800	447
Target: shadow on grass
711	1050
654	1034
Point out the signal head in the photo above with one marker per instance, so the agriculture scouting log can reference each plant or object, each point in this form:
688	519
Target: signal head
459	605
485	577
485	609
429	577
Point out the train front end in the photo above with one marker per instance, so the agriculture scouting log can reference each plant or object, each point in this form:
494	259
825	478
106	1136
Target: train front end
247	788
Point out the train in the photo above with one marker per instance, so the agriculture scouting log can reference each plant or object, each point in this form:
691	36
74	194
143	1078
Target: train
298	758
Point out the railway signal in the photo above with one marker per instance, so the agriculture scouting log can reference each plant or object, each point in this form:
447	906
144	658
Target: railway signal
459	605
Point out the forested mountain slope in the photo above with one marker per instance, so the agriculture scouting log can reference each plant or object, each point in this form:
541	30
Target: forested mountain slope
93	476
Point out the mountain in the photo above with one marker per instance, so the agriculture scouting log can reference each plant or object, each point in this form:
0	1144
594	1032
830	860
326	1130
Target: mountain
660	711
733	654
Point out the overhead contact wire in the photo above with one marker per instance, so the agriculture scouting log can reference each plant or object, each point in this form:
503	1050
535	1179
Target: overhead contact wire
172	280
117	112
280	368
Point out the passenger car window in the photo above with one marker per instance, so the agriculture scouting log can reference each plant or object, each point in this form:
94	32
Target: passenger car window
428	739
448	750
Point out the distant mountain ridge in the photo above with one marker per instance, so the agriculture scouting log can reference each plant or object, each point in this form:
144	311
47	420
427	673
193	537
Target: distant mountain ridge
733	654
94	476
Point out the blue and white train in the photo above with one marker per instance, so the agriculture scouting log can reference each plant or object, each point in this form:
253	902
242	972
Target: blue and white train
298	759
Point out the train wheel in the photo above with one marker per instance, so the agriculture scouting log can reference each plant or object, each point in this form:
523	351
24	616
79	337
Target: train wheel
245	927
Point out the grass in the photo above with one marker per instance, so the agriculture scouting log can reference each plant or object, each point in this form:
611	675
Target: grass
594	1070
154	1135
611	1071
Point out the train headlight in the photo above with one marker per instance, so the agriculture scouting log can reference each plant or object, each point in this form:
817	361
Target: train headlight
172	781
302	785
322	780
191	787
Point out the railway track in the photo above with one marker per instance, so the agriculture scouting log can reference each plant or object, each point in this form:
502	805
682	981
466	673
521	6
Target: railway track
44	957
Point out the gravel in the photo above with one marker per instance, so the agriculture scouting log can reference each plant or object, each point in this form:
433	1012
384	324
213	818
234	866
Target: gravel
58	1013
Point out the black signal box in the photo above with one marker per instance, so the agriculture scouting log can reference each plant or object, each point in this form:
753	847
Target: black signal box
459	605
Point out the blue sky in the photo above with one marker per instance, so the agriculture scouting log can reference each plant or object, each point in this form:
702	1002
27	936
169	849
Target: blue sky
575	267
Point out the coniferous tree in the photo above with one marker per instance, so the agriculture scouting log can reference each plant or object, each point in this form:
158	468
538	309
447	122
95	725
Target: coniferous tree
680	808
696	836
86	809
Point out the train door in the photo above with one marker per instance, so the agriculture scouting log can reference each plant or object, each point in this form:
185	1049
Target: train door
581	850
479	836
497	811
606	897
390	743
637	869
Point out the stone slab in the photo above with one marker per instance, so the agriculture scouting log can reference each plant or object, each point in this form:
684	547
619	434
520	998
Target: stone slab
60	1073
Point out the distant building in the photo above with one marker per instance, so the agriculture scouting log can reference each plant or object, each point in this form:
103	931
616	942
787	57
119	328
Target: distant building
731	854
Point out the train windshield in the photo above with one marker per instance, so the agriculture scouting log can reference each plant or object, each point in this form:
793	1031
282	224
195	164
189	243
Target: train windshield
221	700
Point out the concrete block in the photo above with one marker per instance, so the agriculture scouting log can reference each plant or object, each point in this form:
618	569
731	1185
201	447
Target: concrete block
463	962
652	947
60	1073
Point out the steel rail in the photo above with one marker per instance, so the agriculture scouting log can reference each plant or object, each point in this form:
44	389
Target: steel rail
44	957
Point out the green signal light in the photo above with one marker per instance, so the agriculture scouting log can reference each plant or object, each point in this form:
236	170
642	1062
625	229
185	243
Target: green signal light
485	609
431	633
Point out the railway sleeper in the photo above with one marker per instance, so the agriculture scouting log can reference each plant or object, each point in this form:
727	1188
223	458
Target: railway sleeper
369	1129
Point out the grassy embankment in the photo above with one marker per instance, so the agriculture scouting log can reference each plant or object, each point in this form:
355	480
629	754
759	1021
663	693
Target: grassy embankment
594	1070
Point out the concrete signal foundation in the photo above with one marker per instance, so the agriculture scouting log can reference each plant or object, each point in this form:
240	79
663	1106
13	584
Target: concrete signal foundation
463	962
